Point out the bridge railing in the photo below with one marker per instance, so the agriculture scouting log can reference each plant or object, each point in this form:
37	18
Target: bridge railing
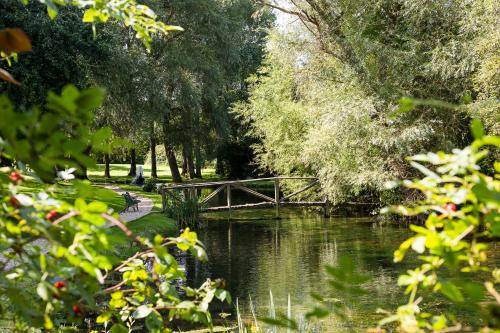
190	190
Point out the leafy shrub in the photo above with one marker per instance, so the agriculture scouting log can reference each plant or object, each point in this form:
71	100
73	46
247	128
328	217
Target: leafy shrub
63	249
150	184
462	206
183	208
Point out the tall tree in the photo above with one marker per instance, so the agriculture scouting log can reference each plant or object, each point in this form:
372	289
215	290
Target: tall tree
331	84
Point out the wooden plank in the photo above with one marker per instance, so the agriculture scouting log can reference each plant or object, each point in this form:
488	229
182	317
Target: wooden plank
257	194
225	208
277	197
303	203
244	181
300	191
211	195
264	205
326	208
163	201
228	189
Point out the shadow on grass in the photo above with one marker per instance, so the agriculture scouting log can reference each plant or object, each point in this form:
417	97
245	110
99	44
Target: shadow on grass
147	226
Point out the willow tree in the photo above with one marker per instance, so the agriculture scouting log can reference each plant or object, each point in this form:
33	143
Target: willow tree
330	87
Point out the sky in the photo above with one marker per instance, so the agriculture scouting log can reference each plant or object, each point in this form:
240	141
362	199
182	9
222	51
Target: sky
283	20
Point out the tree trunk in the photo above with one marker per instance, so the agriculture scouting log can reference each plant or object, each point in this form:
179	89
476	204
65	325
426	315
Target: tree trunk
172	161
184	164
133	163
197	145
107	172
219	166
154	172
188	161
191	166
197	156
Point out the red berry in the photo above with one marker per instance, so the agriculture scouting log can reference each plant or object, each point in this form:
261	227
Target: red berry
16	177
52	215
60	284
14	202
76	310
451	207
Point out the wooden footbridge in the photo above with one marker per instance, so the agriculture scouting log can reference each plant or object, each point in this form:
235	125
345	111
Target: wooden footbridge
193	190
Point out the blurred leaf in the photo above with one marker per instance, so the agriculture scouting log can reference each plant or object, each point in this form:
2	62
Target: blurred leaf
13	40
280	322
154	321
451	291
6	76
42	291
477	129
118	328
142	312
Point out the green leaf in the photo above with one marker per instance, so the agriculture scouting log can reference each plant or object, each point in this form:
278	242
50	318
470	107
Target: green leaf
154	321
477	128
451	291
142	312
223	295
118	328
474	290
90	99
318	312
43	262
52	12
90	15
104	317
281	322
439	322
42	291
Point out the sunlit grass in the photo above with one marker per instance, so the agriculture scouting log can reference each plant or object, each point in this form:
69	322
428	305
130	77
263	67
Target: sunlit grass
119	173
147	226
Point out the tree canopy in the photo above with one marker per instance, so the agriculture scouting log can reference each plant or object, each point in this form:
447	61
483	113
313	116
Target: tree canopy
330	87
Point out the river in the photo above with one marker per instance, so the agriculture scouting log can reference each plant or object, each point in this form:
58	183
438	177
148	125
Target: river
287	257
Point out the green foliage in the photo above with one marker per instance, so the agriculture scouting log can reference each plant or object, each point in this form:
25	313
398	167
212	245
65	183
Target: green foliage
183	208
462	206
150	184
300	111
139	17
56	255
60	47
41	138
330	85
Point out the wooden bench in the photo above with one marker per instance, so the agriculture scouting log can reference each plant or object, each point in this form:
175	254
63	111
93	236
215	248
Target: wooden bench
131	202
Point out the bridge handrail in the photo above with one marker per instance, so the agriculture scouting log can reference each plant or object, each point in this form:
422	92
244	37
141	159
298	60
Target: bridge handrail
230	182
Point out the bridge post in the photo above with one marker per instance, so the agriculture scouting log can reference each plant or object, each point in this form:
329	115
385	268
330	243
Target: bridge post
228	190
326	208
163	199
277	196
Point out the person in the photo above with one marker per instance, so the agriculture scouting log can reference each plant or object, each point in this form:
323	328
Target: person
139	178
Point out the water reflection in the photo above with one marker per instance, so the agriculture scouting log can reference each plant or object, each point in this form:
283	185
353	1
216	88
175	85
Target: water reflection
288	256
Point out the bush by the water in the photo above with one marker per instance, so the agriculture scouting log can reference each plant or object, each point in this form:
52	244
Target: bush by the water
184	209
150	184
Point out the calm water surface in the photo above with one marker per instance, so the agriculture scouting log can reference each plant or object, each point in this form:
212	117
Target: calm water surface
288	256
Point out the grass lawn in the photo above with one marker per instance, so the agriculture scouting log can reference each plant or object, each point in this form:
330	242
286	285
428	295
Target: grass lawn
147	226
68	193
119	174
